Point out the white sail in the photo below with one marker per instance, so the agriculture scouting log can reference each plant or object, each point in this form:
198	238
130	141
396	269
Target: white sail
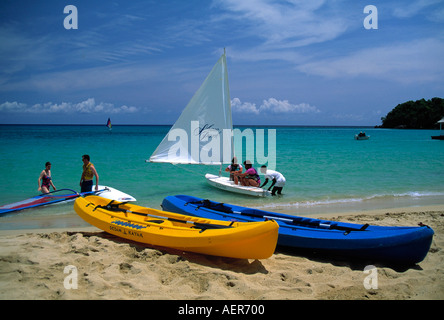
203	132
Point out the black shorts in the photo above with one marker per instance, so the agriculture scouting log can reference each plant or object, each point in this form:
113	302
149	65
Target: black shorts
276	189
87	186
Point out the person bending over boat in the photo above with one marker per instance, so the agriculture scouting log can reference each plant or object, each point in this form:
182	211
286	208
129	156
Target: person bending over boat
250	177
45	178
277	178
234	167
89	172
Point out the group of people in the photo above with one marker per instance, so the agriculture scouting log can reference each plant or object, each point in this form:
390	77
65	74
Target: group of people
248	178
251	177
86	180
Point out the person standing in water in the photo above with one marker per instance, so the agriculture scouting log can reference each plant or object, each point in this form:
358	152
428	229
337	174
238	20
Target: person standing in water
89	172
277	178
45	178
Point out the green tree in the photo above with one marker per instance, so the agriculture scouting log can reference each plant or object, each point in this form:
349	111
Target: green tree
419	114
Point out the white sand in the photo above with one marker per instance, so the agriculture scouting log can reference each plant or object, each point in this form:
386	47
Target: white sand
32	264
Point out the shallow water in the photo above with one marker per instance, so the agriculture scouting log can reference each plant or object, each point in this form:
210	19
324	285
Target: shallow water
326	169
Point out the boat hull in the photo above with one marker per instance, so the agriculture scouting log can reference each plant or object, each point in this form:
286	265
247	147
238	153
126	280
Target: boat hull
188	233
398	245
224	183
357	137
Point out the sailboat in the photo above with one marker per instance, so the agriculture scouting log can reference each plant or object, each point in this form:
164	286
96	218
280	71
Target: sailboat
108	124
203	134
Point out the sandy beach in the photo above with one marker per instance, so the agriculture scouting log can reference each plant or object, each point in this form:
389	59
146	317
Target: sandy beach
86	263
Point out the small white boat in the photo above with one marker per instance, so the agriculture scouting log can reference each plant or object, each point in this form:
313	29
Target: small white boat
224	183
361	136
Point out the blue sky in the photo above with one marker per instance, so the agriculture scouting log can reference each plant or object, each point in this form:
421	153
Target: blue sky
289	62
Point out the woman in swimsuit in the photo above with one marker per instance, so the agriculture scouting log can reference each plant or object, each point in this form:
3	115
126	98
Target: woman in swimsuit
45	177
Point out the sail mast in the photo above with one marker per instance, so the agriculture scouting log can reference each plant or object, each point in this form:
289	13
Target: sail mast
228	96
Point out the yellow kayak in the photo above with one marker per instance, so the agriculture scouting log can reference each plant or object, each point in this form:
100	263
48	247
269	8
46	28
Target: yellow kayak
243	240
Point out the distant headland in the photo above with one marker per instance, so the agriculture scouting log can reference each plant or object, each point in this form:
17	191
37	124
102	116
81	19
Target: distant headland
419	114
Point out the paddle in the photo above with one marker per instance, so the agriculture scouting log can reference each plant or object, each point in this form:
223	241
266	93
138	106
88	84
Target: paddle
291	221
317	224
311	222
197	225
115	207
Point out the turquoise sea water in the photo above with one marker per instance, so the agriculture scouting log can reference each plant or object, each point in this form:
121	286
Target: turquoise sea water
326	169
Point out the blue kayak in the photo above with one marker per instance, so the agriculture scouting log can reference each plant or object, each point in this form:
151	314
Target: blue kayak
398	245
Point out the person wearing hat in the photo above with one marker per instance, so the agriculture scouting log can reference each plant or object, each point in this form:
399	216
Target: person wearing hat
250	177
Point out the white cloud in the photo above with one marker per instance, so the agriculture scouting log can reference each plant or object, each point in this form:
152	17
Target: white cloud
408	10
415	61
287	24
12	106
272	105
243	107
283	106
109	76
87	106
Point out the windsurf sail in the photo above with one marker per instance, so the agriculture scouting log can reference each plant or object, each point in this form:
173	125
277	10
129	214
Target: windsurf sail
40	200
62	195
108	124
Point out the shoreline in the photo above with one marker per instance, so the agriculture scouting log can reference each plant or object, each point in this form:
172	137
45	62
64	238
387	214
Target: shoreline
69	219
374	212
74	223
33	262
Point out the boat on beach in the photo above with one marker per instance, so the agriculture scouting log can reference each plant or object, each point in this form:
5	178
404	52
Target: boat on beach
63	195
396	245
256	240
